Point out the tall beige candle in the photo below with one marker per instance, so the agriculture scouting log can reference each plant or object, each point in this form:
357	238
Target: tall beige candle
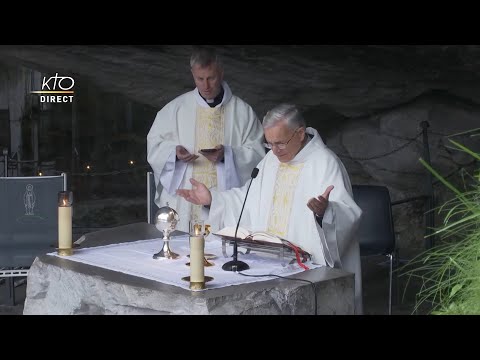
65	201
197	267
64	227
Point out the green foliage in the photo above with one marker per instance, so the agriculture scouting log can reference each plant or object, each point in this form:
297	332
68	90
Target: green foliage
450	272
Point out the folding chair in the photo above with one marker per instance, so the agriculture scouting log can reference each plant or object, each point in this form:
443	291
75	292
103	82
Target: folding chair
376	234
28	222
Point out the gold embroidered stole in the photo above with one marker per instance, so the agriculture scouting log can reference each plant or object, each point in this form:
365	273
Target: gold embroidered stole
209	132
283	193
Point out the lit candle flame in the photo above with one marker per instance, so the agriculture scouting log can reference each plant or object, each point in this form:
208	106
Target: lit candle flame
198	229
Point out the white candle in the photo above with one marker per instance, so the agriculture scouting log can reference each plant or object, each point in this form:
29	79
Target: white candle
64	227
65	200
197	267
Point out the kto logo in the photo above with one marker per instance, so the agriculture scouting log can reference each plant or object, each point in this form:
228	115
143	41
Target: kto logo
56	85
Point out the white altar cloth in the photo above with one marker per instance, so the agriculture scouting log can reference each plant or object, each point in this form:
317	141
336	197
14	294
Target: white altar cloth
135	258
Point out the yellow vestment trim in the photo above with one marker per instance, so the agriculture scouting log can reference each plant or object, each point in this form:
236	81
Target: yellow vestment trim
209	132
283	193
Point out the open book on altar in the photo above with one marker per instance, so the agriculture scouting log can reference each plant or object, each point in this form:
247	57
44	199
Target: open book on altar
259	240
244	234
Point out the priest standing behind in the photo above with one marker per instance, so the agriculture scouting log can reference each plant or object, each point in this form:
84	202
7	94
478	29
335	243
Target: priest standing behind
209	117
302	193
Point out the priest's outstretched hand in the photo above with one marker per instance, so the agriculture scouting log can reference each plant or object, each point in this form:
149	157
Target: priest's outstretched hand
319	205
199	195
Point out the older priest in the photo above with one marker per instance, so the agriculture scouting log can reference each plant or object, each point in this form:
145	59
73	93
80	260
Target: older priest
302	193
209	117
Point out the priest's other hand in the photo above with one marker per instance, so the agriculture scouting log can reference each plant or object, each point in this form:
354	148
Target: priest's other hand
184	155
319	205
214	156
199	195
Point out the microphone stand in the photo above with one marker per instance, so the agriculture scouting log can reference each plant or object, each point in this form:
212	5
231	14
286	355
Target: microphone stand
236	265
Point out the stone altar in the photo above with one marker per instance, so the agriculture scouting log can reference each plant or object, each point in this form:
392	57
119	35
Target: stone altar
59	286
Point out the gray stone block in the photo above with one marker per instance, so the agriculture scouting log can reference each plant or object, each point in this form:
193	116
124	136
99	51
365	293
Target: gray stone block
60	286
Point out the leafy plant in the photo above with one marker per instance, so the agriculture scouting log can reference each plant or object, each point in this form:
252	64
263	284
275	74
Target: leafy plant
450	272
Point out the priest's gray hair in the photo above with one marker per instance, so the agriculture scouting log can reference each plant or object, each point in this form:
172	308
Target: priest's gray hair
284	112
204	56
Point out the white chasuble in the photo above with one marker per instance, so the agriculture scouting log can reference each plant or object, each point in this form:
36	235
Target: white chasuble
283	191
233	125
209	130
278	203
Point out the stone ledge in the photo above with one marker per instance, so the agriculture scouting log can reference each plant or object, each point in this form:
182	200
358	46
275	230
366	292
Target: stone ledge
61	287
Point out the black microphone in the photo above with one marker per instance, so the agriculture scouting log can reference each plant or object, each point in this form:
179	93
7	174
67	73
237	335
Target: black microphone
235	265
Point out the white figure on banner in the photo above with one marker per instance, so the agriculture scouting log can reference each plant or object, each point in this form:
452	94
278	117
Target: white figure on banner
29	200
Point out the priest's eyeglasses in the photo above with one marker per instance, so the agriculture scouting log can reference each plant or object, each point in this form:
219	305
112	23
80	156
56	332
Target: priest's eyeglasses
280	146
